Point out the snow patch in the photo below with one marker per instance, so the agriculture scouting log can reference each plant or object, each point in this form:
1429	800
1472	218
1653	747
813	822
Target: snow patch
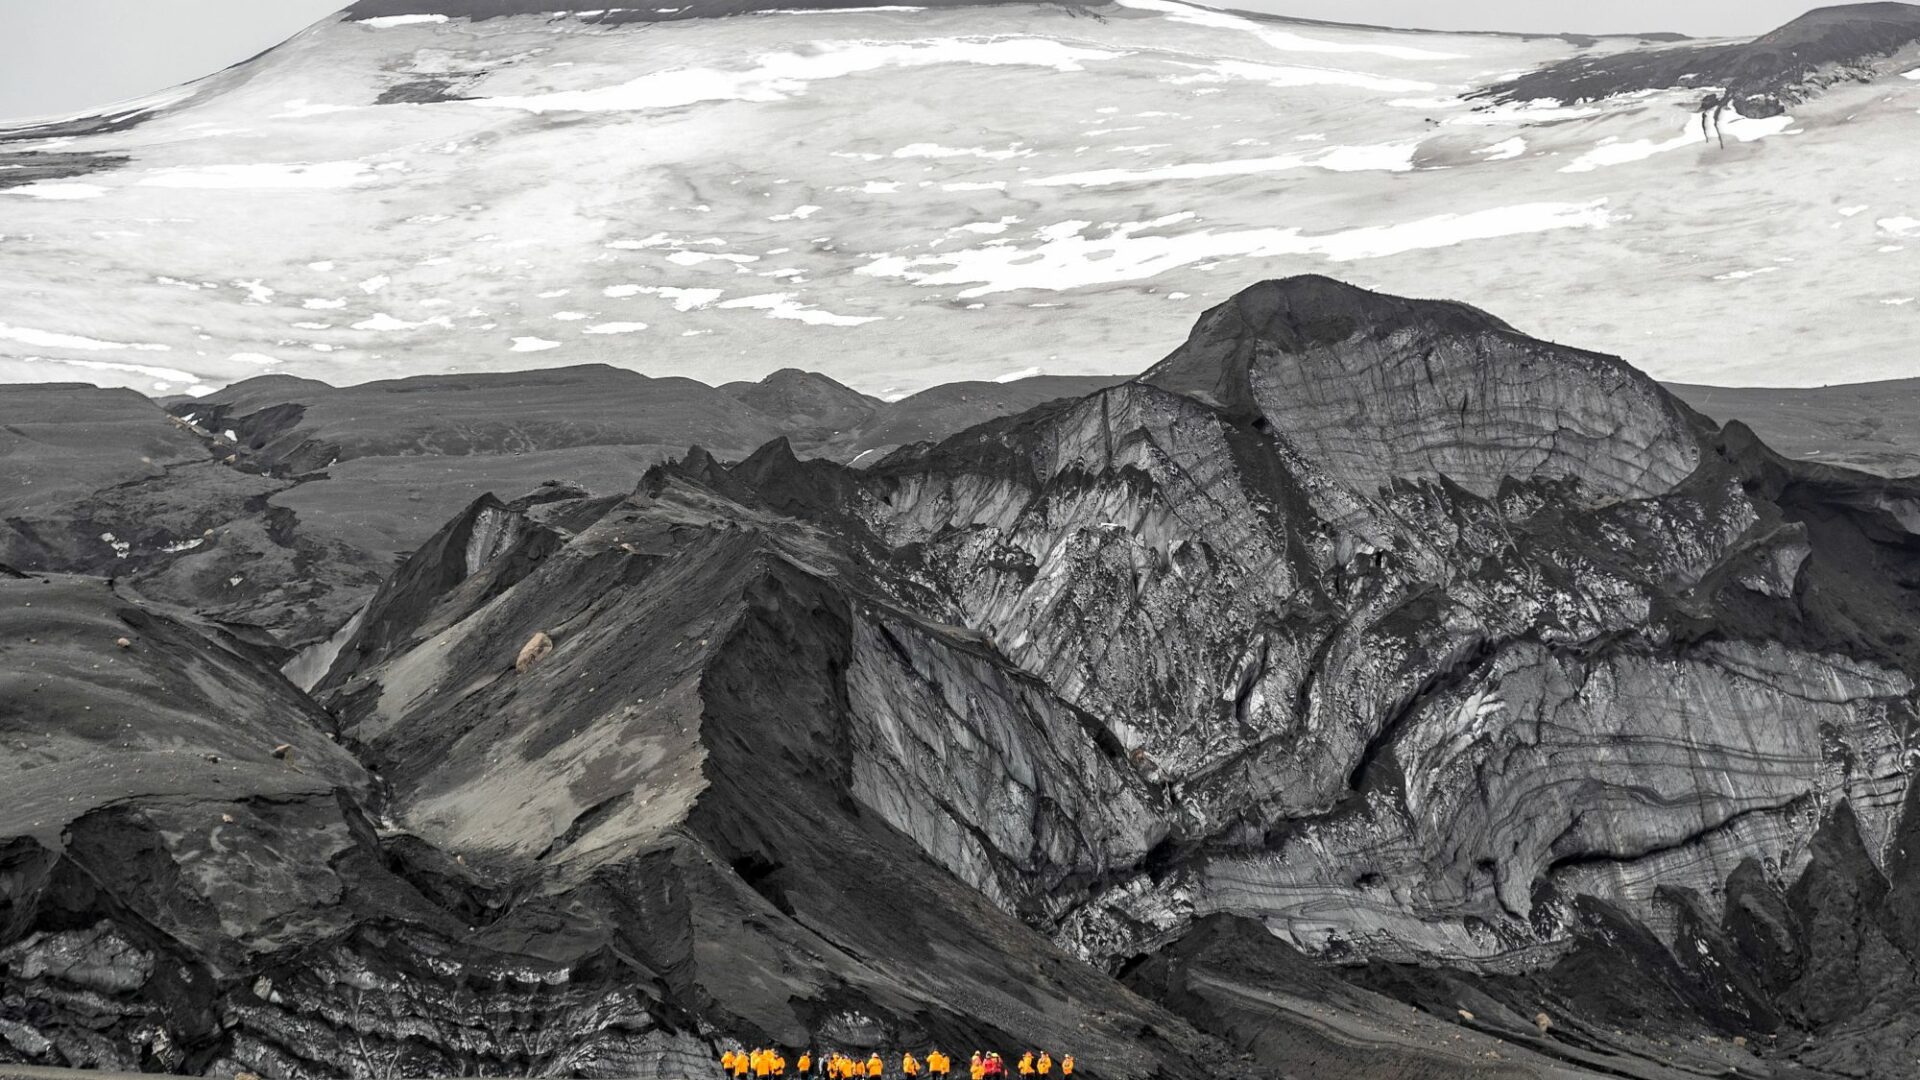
292	176
935	150
1064	259
1538	111
615	328
1393	158
533	344
1621	152
1282	40
48	339
1505	150
53	190
782	75
386	322
826	11
1286	76
683	299
783	306
382	22
695	258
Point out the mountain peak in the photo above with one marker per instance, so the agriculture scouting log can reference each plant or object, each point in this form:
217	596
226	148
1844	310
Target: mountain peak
1294	315
1375	388
804	400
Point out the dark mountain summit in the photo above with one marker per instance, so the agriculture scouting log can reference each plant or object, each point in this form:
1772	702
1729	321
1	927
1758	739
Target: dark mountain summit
1368	689
1763	77
806	402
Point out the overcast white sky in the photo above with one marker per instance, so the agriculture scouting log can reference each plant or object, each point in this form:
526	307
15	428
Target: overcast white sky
61	56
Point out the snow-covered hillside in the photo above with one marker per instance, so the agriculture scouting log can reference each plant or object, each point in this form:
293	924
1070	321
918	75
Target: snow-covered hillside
903	196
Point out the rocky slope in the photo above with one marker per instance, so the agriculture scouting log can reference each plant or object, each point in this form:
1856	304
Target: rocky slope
1368	689
275	506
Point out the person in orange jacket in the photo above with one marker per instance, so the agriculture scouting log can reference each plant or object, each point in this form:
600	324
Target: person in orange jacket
1043	1064
726	1062
806	1062
763	1063
938	1064
1066	1066
876	1067
1026	1063
910	1066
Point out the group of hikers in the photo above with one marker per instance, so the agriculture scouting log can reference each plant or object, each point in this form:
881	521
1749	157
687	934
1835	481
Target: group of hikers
763	1064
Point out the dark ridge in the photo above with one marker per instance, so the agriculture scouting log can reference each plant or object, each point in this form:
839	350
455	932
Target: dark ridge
78	127
19	170
479	10
1763	77
813	487
1581	40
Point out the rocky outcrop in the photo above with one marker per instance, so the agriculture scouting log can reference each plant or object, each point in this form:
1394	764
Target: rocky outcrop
1373	389
1762	77
1360	686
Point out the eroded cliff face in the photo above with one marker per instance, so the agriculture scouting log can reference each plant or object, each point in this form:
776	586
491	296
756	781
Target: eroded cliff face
1363	663
1427	630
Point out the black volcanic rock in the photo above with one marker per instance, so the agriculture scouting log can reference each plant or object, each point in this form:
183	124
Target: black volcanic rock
19	170
1764	77
1369	689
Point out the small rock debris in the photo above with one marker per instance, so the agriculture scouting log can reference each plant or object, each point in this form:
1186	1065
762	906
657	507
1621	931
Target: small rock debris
535	650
